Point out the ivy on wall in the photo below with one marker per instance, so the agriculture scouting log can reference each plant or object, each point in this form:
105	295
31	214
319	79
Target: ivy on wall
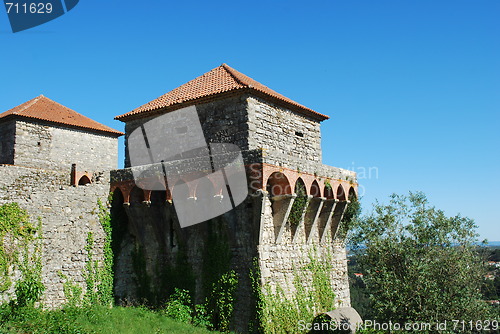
298	205
279	312
98	274
20	249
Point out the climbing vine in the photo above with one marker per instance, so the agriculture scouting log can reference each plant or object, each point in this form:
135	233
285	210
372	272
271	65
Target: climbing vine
98	275
219	281
20	248
298	205
350	216
279	312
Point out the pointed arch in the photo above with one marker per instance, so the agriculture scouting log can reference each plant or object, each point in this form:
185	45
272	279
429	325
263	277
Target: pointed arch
136	195
300	187
328	191
340	194
278	184
84	180
352	193
315	189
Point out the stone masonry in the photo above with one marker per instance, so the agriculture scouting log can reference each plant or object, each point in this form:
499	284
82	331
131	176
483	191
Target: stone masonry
46	150
67	214
281	147
280	141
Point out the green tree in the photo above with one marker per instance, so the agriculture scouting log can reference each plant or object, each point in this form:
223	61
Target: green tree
419	264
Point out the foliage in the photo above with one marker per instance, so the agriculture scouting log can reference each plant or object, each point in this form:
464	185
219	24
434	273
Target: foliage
15	230
20	248
219	281
298	205
328	185
29	289
220	303
106	271
92	319
178	306
279	312
98	275
419	264
350	217
72	291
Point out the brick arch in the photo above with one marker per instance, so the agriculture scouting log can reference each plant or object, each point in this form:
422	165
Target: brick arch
137	195
352	192
204	186
300	182
181	189
84	179
340	194
328	191
278	184
118	195
158	195
315	190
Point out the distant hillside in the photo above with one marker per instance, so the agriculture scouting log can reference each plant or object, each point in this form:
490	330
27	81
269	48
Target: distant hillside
494	243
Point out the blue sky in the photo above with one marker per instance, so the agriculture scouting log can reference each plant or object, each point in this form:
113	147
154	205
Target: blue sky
412	87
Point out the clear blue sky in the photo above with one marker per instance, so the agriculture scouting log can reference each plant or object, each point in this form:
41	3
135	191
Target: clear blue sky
412	87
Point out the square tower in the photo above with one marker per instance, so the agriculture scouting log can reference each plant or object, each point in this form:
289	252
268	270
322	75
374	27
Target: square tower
42	133
287	224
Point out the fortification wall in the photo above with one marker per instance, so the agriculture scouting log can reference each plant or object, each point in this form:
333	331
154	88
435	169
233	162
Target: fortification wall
55	147
67	214
284	260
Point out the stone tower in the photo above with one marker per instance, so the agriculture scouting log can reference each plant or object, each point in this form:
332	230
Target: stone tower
281	149
46	151
42	133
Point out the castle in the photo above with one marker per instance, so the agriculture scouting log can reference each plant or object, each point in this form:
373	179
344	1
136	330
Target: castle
53	157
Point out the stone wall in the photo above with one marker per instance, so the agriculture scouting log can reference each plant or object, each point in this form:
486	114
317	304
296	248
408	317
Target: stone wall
67	213
253	123
283	132
280	261
7	135
222	121
56	147
156	255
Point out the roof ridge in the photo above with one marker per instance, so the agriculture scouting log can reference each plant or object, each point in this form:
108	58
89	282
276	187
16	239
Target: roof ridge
45	109
219	80
29	104
231	71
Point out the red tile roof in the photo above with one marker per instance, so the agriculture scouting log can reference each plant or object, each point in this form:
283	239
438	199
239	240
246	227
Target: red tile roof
45	109
220	80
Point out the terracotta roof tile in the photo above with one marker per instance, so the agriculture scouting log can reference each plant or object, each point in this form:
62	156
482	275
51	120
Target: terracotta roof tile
45	109
219	80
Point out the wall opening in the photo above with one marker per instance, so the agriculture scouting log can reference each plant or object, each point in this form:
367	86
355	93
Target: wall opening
278	184
136	195
83	180
315	189
341	196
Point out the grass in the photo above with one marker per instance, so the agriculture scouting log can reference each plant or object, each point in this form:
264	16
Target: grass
96	319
